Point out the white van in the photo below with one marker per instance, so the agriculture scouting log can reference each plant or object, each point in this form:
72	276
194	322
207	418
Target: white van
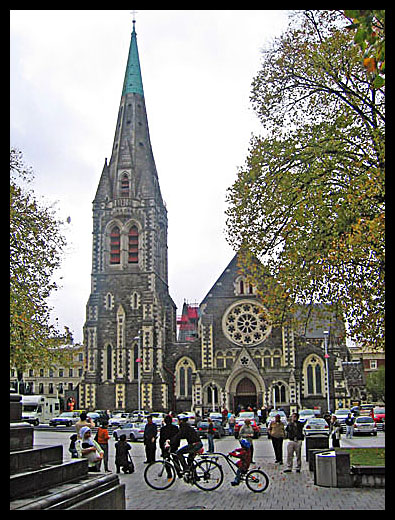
38	409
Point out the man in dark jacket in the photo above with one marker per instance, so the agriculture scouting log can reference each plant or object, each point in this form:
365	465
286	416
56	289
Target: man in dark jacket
194	443
294	431
167	432
150	432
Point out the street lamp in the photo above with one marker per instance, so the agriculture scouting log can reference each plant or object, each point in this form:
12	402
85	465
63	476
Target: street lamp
138	361
326	356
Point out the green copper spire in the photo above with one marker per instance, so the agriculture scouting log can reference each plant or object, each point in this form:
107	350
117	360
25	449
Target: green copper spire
133	82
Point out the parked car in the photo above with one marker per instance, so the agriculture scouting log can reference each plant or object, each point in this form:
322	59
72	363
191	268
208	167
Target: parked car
133	431
190	416
342	414
216	416
314	426
365	409
96	418
378	414
273	414
139	415
306	414
365	425
65	419
202	429
119	418
240	419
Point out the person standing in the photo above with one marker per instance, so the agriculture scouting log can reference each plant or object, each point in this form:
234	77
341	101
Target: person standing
247	432
349	426
167	432
150	433
84	420
231	422
103	438
335	431
276	430
210	436
294	430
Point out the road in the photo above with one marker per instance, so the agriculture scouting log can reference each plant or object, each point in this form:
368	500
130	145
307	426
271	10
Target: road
286	491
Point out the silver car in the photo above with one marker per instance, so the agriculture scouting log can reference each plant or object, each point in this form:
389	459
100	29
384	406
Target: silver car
314	426
133	431
365	425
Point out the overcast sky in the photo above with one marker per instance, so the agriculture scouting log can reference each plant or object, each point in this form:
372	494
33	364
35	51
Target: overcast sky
67	71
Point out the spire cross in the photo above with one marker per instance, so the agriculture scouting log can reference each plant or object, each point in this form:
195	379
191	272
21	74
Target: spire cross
133	13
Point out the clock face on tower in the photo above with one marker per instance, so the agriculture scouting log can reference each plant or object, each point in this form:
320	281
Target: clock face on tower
245	323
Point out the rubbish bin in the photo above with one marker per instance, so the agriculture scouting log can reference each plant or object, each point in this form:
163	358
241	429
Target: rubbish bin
325	469
312	454
316	442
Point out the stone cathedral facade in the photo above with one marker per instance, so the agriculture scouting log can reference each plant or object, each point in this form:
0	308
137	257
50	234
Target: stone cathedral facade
237	358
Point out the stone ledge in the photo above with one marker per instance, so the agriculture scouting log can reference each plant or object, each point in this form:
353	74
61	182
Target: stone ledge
91	492
32	483
33	459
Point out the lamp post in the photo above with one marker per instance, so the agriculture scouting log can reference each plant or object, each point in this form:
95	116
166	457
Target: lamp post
138	361
326	356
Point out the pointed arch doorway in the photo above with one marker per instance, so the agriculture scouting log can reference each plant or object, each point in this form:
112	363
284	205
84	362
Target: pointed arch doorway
246	394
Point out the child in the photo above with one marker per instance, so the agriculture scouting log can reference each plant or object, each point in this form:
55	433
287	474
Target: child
122	457
72	448
244	454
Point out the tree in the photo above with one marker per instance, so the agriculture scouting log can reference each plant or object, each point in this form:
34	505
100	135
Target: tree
309	202
369	34
375	384
36	246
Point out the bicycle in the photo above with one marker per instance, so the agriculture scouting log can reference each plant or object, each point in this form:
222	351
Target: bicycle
205	473
256	479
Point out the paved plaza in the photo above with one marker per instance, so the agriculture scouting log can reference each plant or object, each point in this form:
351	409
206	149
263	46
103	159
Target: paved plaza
286	490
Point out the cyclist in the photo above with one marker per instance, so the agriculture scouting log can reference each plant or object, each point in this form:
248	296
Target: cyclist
194	443
244	454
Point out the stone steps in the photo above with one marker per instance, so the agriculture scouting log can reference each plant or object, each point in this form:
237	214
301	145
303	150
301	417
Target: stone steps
93	491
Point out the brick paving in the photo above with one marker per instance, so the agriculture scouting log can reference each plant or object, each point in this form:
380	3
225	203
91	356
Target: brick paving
285	491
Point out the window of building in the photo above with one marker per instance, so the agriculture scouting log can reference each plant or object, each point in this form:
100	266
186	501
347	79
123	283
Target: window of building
133	245
115	246
280	393
109	362
125	185
184	370
313	375
373	364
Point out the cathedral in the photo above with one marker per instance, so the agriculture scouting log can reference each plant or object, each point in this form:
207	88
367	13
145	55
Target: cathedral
233	357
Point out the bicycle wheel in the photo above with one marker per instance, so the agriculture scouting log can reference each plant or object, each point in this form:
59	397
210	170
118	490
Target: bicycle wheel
257	480
208	475
160	475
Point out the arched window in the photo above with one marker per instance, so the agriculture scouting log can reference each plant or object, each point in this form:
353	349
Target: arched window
125	185
184	371
109	362
115	246
133	245
280	393
313	375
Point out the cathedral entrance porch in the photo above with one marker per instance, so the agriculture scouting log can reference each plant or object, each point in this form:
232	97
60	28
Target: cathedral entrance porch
246	395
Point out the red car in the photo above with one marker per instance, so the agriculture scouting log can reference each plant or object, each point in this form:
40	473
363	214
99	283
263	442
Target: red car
378	414
240	422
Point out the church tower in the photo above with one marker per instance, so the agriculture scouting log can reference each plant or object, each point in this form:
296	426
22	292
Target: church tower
129	315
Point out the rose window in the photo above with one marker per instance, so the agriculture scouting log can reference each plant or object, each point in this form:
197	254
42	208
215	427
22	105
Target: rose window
246	323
